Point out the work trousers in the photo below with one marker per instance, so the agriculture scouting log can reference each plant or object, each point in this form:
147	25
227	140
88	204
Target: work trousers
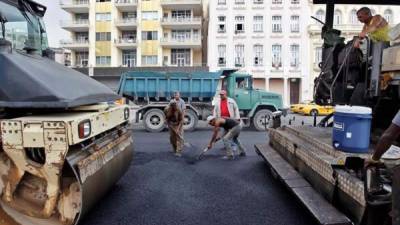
176	137
232	136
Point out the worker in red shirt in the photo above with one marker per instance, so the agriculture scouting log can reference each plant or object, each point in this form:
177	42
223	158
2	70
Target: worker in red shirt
227	108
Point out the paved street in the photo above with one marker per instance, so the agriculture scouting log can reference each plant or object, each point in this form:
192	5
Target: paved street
162	189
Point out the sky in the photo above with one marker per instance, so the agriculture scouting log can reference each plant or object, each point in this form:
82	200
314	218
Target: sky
52	20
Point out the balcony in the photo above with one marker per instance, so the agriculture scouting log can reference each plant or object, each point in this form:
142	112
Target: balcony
175	22
75	45
126	24
126	5
194	42
196	5
75	25
125	43
75	6
347	29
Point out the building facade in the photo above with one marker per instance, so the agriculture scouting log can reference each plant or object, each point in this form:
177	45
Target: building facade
265	38
134	33
345	19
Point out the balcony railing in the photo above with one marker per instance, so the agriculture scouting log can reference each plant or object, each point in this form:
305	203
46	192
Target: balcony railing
74	42
125	41
126	1
181	40
179	1
126	21
66	23
74	2
181	19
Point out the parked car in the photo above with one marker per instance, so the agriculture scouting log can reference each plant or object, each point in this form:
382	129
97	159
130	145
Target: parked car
310	108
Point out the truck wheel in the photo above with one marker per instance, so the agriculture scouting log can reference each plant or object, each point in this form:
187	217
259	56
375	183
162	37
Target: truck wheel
190	121
314	112
263	119
154	120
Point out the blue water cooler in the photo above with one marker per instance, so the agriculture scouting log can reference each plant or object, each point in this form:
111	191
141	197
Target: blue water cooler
352	128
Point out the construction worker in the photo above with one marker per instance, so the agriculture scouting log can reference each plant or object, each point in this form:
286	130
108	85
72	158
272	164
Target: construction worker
174	117
389	136
232	131
376	27
226	107
179	101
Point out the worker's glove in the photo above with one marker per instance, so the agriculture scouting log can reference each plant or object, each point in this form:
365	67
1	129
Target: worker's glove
371	162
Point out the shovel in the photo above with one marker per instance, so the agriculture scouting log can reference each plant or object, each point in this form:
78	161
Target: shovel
195	154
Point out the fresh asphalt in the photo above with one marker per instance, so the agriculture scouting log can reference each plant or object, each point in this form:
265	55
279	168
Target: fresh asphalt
160	189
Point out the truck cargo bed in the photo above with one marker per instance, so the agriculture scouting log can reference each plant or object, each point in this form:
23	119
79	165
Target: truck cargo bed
309	153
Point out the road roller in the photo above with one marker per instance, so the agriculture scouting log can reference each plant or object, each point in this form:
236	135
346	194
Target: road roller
64	140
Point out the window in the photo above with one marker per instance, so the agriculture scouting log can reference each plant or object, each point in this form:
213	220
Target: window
181	35
81	59
241	2
103	36
129	58
129	15
295	2
388	15
150	15
81	18
353	17
294	55
277	2
180	57
295	24
276	56
258	1
221	55
337	19
103	17
258	55
149	35
243	83
181	14
277	24
318	55
103	60
221	24
103	0
239	24
128	36
82	37
239	55
320	15
221	2
149	60
258	25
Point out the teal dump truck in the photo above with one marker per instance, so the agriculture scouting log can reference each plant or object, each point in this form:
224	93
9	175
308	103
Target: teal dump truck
152	91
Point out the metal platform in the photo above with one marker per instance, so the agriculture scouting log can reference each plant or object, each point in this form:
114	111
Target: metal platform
320	208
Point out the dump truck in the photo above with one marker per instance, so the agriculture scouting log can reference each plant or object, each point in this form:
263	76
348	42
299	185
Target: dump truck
64	143
332	184
152	91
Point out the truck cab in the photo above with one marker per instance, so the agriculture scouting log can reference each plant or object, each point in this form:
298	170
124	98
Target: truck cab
257	107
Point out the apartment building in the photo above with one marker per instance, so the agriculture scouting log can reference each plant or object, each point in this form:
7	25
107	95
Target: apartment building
265	38
345	19
134	33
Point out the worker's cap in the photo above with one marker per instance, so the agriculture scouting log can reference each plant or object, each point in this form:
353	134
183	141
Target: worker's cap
222	92
210	118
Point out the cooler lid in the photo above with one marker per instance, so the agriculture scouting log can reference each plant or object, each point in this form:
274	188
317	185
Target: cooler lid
353	109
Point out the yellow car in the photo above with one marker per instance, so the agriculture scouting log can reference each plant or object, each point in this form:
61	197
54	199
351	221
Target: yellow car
296	107
313	109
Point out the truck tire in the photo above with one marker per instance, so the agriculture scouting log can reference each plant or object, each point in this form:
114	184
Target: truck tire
190	121
259	120
154	120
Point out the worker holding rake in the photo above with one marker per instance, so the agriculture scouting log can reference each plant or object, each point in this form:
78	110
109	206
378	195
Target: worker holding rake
174	117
